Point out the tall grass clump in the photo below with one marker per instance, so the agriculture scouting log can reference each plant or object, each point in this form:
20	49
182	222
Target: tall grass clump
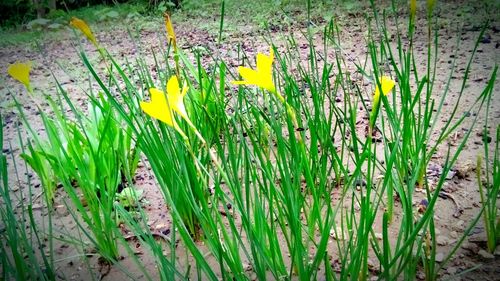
92	157
276	163
489	188
24	253
89	152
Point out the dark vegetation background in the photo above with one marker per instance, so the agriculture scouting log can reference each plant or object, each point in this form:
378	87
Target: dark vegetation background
16	12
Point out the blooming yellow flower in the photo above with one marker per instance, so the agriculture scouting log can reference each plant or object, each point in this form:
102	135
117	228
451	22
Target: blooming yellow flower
160	109
175	98
386	86
261	77
84	28
21	72
163	106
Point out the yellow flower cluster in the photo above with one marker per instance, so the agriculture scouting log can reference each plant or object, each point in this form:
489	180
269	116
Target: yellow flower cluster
162	106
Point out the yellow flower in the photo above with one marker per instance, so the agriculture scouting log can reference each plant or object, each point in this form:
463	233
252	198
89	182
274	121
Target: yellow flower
386	86
21	72
261	77
84	28
170	30
162	106
413	9
175	98
160	109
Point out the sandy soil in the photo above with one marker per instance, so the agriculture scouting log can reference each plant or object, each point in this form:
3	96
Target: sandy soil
58	58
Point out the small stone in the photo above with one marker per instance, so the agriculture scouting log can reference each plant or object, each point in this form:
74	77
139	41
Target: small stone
486	39
450	174
471	247
485	255
247	267
372	265
160	226
378	236
465	169
439	257
478	238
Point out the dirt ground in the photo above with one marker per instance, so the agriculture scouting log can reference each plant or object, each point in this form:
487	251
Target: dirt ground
56	57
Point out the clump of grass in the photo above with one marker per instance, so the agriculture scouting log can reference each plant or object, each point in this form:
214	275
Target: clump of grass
22	248
490	188
92	157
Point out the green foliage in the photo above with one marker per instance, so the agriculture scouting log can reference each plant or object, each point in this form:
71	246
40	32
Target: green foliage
129	197
91	157
278	173
20	237
273	185
490	188
15	12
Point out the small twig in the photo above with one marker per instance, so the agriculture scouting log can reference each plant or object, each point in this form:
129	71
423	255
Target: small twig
446	195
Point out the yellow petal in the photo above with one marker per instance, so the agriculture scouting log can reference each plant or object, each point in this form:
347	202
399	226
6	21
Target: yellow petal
261	77
84	28
249	75
185	89
264	64
170	29
267	83
158	107
173	86
21	72
387	85
176	98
